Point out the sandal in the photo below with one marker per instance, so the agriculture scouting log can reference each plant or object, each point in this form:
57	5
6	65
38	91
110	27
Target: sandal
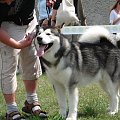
14	116
34	109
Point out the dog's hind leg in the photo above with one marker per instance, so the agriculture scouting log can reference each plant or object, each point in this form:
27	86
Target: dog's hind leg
112	90
73	103
118	90
61	97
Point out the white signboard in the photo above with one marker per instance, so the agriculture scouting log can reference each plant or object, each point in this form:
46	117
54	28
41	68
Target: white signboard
81	29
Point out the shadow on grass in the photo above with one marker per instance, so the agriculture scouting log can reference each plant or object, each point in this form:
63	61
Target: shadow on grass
31	117
88	112
2	117
56	117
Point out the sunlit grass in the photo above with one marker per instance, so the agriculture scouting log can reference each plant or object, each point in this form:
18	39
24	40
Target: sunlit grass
93	102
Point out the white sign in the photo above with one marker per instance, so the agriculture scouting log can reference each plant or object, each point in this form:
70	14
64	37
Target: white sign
81	29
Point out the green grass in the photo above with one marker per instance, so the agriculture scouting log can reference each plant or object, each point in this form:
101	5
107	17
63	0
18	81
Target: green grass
93	102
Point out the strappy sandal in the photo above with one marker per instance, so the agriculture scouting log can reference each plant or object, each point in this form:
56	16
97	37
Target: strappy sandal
34	109
14	116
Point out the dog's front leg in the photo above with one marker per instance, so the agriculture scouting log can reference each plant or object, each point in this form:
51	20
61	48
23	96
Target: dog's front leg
73	103
61	97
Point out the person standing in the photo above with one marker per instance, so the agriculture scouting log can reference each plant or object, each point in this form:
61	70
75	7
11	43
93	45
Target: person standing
17	18
57	5
75	4
44	13
115	14
54	11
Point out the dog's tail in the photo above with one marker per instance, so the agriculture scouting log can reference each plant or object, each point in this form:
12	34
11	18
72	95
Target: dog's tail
117	38
96	34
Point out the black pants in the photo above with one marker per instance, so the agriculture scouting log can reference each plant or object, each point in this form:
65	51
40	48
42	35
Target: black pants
75	4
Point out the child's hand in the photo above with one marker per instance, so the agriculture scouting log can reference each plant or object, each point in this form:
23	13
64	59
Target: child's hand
50	3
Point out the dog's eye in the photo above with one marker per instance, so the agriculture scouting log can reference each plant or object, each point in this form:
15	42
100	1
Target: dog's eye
48	34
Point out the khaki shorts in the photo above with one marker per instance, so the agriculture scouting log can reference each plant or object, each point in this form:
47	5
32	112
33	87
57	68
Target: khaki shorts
30	63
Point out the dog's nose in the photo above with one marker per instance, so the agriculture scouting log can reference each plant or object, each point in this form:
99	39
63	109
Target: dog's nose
39	39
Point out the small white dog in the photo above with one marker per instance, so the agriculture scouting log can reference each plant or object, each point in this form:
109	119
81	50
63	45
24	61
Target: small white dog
66	13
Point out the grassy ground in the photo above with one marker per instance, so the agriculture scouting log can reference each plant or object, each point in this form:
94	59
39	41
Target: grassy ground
92	102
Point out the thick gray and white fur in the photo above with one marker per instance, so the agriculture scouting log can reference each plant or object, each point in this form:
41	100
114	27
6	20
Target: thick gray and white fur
94	57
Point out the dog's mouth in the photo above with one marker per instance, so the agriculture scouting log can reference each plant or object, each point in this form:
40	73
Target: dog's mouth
43	48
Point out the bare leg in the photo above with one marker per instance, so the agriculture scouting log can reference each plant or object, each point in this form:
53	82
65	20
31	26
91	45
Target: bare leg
30	85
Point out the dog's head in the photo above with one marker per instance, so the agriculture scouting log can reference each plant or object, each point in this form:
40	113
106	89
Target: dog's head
47	41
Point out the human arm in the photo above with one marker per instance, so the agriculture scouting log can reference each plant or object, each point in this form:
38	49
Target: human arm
115	21
54	12
53	18
50	3
6	39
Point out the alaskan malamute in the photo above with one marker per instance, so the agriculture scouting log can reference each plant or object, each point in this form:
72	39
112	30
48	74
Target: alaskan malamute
94	57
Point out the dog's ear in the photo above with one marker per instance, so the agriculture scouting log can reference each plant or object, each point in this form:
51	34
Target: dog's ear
58	29
37	29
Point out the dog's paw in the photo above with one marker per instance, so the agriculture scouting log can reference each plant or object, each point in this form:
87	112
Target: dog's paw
70	118
72	115
112	112
63	114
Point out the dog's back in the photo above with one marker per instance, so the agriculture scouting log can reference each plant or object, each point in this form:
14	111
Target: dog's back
95	57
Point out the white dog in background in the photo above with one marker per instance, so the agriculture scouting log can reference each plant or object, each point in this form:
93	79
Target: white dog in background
66	13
